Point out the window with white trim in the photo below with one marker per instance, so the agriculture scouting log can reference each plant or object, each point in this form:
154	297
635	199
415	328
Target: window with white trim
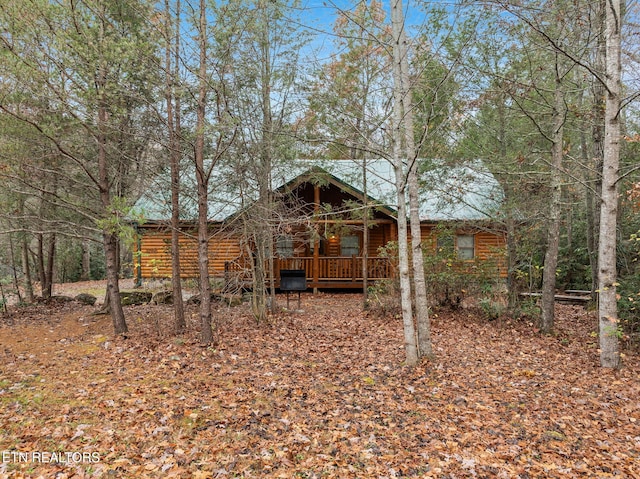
465	246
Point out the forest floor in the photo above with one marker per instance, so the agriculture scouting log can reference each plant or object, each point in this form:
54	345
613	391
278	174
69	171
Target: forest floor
317	393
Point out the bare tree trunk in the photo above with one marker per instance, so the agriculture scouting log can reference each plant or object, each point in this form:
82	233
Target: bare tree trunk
365	238
273	306
16	283
85	275
26	269
510	222
175	155
203	181
265	267
51	253
24	254
3	299
608	306
45	259
592	200
410	340
512	257
425	349
114	304
592	178
419	283
258	293
553	233
40	265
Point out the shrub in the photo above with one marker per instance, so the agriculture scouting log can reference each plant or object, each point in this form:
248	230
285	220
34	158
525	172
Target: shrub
384	298
492	309
384	295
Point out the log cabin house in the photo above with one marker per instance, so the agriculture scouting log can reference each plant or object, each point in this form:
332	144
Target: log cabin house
323	230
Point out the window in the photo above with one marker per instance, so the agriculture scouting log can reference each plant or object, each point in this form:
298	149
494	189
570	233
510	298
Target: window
349	246
284	246
465	246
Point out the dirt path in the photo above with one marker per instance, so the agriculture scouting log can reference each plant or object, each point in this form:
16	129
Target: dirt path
45	329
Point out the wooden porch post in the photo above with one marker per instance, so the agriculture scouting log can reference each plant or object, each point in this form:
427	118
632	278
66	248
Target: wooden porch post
354	265
316	240
277	264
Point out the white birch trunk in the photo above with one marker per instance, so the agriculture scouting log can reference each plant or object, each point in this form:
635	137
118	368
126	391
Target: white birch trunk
411	347
419	282
607	277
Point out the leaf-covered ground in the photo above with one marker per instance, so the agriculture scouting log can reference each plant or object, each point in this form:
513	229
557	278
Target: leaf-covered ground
319	393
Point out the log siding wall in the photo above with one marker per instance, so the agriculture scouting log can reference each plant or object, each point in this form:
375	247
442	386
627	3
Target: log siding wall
488	246
154	245
154	251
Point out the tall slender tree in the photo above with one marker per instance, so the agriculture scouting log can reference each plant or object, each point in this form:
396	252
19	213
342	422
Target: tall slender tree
419	289
214	132
607	280
203	173
400	159
553	233
172	57
593	152
263	75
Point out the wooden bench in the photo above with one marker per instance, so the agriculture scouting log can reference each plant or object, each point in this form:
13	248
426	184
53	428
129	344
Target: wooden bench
583	298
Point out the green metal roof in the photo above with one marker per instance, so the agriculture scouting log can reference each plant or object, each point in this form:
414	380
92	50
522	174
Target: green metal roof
464	192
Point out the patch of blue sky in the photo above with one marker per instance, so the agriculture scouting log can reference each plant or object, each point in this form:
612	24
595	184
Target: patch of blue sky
319	18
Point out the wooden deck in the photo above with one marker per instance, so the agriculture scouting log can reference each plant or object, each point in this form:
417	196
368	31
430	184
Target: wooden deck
339	272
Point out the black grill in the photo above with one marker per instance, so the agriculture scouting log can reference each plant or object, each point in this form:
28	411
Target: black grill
293	280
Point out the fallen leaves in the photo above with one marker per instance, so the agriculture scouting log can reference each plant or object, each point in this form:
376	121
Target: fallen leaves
321	393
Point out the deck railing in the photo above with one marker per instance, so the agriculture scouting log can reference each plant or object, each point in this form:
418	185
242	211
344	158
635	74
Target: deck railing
331	268
337	267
